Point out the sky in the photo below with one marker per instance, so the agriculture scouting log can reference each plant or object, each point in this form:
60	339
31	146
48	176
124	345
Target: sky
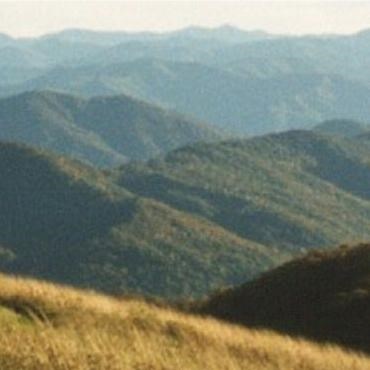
33	18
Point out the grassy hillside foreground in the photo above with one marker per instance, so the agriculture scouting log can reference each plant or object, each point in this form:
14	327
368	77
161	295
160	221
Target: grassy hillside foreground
49	327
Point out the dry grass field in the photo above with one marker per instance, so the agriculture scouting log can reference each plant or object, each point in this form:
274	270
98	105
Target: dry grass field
43	326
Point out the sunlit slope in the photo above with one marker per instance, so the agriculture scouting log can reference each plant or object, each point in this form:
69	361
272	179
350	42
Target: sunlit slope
292	190
46	327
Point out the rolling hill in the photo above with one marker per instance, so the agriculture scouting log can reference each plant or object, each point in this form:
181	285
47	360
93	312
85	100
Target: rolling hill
292	190
324	295
102	131
67	222
60	328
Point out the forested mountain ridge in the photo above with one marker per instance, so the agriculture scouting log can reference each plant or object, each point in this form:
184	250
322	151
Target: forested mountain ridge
259	187
202	216
69	223
104	131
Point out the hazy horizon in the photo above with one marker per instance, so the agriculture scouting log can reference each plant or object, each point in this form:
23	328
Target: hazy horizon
32	19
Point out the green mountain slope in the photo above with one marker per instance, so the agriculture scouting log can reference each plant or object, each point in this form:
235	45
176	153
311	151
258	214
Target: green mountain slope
324	295
67	222
202	216
292	190
102	131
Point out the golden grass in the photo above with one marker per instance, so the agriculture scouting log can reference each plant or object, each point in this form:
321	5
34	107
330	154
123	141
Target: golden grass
43	326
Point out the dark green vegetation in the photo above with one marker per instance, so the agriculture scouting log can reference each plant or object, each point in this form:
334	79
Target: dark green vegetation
103	131
67	222
247	82
324	295
202	216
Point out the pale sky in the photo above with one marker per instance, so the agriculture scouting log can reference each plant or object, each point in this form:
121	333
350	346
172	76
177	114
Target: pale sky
31	18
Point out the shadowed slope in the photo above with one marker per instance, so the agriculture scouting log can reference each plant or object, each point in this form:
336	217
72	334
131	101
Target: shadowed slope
324	295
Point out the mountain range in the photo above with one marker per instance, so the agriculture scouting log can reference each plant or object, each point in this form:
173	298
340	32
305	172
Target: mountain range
199	217
258	187
201	178
244	82
70	223
231	102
